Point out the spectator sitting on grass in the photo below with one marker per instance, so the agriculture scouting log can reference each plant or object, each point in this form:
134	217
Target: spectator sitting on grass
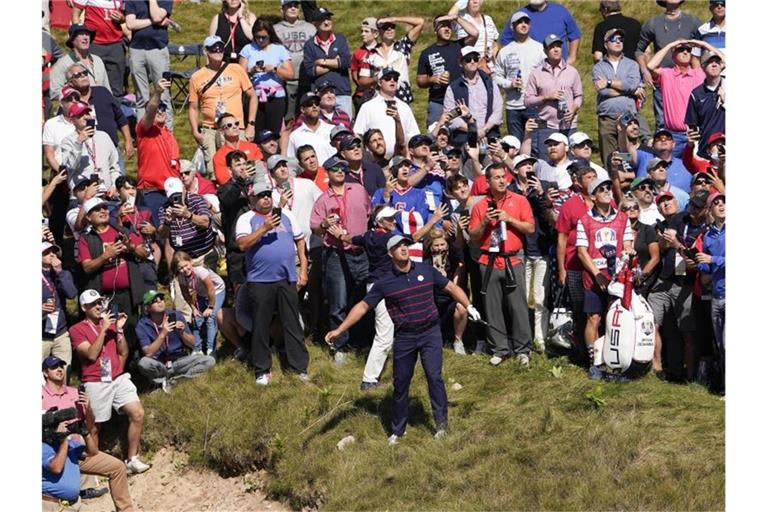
165	340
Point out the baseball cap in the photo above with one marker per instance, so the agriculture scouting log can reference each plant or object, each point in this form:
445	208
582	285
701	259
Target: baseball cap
444	128
348	141
578	164
275	160
663	196
324	86
466	50
397	240
307	97
707	56
386	213
512	141
700	174
322	13
80	182
713	196
93	203
257	187
68	91
715	136
442	19
397	161
557	137
150	296
662	131
264	135
699	199
212	40
453	151
385	72
78	108
53	362
639	181
578	138
656	162
162	106
611	32
519	15
522	158
551	39
336	163
173	186
596	184
89	297
186	166
338	130
370	23
283	2
418	140
76	29
48	245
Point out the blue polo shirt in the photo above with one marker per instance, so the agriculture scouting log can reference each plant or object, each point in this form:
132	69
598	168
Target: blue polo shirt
172	348
151	37
705	111
677	174
553	19
273	259
66	485
375	244
410	298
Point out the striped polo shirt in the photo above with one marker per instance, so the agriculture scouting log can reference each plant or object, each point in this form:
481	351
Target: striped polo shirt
187	237
410	298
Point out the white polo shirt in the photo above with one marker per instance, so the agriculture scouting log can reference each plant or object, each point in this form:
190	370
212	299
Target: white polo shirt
319	139
373	114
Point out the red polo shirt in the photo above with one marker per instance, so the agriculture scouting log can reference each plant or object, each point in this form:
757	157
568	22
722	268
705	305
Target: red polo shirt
518	208
158	154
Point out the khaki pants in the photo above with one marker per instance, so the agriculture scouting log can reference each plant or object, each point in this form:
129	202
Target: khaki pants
60	346
107	465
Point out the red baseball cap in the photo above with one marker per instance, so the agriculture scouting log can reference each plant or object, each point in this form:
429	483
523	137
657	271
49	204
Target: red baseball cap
713	196
715	136
78	108
664	195
68	91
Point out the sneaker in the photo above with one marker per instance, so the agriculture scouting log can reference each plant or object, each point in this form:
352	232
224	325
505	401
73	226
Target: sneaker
458	347
442	430
365	386
595	373
241	354
264	379
524	360
340	358
496	361
393	440
303	377
135	466
166	386
91	493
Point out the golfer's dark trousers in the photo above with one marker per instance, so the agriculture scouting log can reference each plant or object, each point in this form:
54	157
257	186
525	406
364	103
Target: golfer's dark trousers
263	298
429	347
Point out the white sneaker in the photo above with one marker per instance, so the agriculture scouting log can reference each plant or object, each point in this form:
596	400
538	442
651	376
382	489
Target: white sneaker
393	440
440	433
538	346
264	379
458	347
303	377
135	466
496	361
340	358
524	360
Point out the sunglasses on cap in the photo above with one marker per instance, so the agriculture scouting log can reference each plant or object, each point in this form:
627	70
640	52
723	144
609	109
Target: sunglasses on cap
630	208
472	57
80	74
229	125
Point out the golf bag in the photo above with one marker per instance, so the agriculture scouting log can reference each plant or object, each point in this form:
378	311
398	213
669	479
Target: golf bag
627	346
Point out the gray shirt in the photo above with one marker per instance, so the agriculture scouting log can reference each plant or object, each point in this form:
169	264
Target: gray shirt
628	72
293	36
514	57
660	31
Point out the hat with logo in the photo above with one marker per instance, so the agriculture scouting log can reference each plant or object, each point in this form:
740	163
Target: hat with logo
370	23
257	187
419	140
93	203
511	141
173	186
662	131
596	183
275	160
48	245
348	141
656	162
552	39
336	163
388	71
521	159
612	32
519	15
386	213
715	137
467	50
89	297
308	97
150	296
265	135
53	362
713	196
397	240
397	161
322	14
78	108
664	195
325	85
68	91
340	129
699	175
579	138
639	181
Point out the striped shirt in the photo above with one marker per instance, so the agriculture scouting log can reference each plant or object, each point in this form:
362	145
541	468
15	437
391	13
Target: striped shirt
410	298
187	237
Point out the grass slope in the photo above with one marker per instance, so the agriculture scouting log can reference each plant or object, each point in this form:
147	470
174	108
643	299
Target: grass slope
518	439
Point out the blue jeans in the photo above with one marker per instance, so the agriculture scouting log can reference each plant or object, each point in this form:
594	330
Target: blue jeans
210	325
343	289
434	111
538	148
516	121
658	109
153	200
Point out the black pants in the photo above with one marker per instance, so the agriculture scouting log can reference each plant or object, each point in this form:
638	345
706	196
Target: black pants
263	298
270	115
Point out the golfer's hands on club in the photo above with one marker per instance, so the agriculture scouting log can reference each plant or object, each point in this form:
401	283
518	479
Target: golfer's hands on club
473	313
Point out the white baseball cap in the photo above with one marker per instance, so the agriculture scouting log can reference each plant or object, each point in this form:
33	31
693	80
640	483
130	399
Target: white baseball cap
173	186
466	50
557	137
522	157
386	213
578	137
511	140
93	203
89	297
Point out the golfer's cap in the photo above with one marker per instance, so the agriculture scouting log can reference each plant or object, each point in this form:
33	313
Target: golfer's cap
93	203
707	56
212	40
557	137
386	213
48	245
173	186
264	135
336	163
521	159
419	140
398	161
385	72
150	296
370	23
713	196
338	130
664	195
257	187
308	97
552	39
397	240
348	141
656	162
578	138
662	131
715	137
595	184
89	297
611	32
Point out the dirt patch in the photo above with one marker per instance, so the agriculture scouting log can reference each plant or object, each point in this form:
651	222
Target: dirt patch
172	486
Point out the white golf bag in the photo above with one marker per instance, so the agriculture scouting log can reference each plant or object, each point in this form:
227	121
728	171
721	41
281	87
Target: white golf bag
627	346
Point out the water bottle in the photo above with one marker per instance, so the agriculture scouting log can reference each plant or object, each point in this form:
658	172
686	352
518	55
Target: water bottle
562	104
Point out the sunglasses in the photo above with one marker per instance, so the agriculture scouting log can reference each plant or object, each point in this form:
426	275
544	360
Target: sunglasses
630	208
616	39
335	169
683	49
219	48
389	78
262	195
645	187
717	4
472	57
387	26
356	145
312	103
718	201
185	173
454	157
701	182
80	74
603	188
231	125
261	38
99	208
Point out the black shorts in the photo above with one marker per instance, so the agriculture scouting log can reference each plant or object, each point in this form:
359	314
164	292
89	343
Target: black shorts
595	302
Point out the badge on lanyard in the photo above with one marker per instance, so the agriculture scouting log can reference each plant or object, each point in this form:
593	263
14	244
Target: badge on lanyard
178	240
106	369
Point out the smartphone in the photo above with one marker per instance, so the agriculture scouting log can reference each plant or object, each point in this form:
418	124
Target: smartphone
260	63
625	157
176	199
463	214
541	124
131	201
167	75
455	112
493	140
277	211
491	205
391	103
81	387
114	310
693	127
472	138
90	123
121	238
286	186
172	317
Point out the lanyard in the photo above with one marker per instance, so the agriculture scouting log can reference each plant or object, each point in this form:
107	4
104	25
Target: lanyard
157	332
232	28
51	288
91	149
291	182
342	206
93	328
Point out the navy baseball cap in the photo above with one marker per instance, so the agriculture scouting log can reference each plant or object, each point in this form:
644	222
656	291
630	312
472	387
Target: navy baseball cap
53	362
265	135
336	163
418	140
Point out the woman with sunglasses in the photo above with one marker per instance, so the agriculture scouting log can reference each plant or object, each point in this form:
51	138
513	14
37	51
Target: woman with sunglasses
485	44
269	65
233	25
646	246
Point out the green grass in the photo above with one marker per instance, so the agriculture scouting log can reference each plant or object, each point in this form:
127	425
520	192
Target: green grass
518	439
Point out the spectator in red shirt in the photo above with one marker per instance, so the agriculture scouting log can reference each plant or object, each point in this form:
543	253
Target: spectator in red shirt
499	223
229	127
158	152
360	68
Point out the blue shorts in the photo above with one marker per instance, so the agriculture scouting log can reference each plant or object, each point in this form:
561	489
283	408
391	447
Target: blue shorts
595	302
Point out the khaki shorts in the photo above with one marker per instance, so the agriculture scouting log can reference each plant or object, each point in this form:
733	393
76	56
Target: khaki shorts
106	396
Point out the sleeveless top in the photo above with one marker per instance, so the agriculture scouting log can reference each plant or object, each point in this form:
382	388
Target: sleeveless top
233	42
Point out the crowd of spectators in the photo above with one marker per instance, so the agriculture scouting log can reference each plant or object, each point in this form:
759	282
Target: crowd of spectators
314	205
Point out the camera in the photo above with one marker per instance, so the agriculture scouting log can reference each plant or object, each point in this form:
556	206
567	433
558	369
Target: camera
176	199
51	420
166	75
541	124
492	140
455	112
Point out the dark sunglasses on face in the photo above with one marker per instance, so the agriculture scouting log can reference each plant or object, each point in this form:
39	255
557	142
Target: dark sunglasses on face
262	195
630	208
718	201
717	4
603	188
472	57
261	38
454	157
185	173
219	48
356	145
645	187
683	49
313	103
390	78
99	208
616	39
701	182
80	74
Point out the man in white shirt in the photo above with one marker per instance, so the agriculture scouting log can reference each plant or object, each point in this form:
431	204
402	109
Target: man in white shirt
59	127
514	63
312	131
375	112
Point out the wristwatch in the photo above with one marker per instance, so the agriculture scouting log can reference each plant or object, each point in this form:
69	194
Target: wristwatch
609	84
